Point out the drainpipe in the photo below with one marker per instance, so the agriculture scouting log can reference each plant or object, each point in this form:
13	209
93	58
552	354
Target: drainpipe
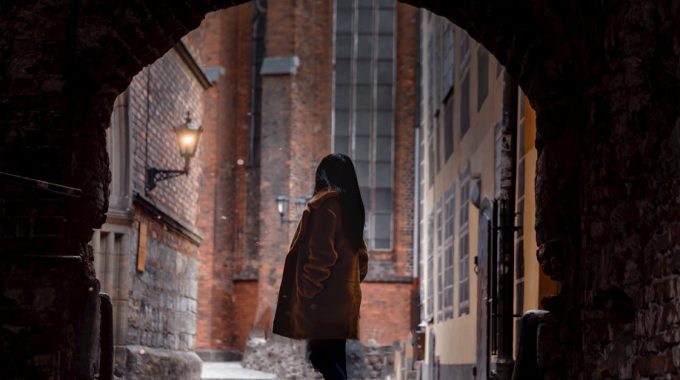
416	285
257	55
416	158
506	233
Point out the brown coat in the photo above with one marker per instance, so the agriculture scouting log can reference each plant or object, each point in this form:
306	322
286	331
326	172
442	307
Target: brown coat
320	295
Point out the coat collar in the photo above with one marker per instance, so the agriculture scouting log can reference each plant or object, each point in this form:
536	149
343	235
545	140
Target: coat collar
322	195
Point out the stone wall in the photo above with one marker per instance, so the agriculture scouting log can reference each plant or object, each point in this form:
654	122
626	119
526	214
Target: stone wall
162	307
288	359
229	193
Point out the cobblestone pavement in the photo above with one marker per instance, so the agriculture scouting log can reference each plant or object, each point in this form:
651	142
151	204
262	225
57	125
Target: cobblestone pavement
232	371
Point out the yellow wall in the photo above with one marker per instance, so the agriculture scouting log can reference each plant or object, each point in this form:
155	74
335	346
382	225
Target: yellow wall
536	284
456	338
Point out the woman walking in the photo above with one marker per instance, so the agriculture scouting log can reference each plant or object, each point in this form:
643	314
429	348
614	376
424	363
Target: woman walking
320	296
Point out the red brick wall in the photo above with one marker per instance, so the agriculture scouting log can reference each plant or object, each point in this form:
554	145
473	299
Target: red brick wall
385	311
224	39
296	128
297	134
407	65
173	90
204	39
245	296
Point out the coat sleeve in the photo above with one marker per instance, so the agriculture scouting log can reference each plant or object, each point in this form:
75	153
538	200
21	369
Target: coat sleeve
321	254
363	262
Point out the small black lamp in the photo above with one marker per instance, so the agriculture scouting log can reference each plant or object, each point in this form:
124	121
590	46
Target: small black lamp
282	207
188	136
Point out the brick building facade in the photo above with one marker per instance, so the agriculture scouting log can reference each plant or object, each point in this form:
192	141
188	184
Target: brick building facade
277	104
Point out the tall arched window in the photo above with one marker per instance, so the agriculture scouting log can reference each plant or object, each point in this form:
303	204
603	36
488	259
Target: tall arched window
363	117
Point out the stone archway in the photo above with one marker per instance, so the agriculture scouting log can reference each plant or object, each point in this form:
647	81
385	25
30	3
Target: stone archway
604	80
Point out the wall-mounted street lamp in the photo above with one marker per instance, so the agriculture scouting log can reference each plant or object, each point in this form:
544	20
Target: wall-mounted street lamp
188	135
282	207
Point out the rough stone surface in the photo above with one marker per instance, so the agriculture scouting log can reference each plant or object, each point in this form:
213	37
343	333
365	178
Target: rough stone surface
284	357
162	306
141	361
288	359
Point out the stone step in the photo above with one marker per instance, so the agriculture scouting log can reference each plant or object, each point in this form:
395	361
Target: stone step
232	371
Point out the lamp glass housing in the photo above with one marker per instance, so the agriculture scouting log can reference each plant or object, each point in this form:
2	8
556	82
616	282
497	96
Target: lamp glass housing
300	204
188	135
282	204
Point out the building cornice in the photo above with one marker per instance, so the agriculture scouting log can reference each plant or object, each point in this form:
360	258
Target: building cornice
188	59
165	216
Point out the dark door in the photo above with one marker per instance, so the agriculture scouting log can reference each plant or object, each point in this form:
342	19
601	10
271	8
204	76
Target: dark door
483	247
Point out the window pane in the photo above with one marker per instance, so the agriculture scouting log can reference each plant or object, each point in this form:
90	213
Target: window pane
383	174
344	4
520	178
383	226
365	20
385	72
362	174
342	97
361	148
343	46
437	56
381	244
341	123
519	258
344	20
465	106
341	144
482	76
364	72
386	3
366	197
520	217
386	46
464	51
363	123
383	199
385	97
430	162
342	72
363	97
437	143
365	46
448	55
448	129
365	4
386	19
385	121
383	149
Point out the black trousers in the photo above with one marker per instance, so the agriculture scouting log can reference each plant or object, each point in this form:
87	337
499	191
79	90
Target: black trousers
328	357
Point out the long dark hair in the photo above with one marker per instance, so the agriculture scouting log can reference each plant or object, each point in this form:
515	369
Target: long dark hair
336	172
